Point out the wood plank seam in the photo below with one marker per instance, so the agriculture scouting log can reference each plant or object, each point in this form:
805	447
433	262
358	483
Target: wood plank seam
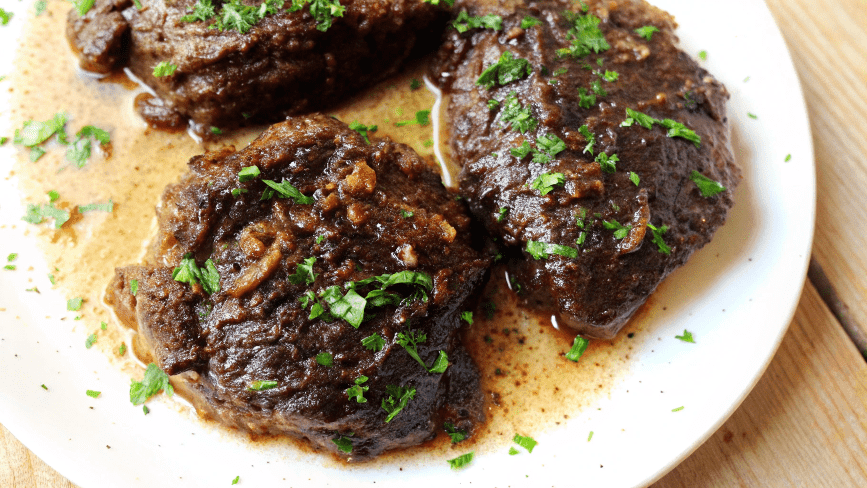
840	310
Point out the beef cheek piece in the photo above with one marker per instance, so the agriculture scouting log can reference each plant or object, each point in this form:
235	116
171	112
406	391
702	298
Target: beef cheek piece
239	63
319	296
593	147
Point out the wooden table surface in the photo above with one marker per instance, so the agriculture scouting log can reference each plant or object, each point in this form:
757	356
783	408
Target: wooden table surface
805	423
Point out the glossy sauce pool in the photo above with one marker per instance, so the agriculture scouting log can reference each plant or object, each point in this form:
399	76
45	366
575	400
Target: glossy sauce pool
529	386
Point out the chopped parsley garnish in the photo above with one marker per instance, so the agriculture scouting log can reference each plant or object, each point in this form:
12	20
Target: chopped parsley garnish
5	16
589	436
633	116
422	118
506	70
90	341
410	341
320	239
364	129
103	325
788	158
675	129
12	257
596	86
344	444
657	238
607	163
585	35
92	393
323	11
541	250
234	15
527	443
620	230
579	217
145	409
374	342
349	307
260	385
414	84
579	345
465	22
235	481
702	55
95	132
633	177
467	317
79	151
589	137
248	174
501	214
515	114
461	461
441	363
686	337
80	6
678	409
546	181
74	304
450	3
304	273
513	451
706	186
325	359
44	387
646	31
357	391
752	115
522	151
493	104
285	189
154	380
549	146
122	349
32	132
164	68
396	401
36	153
202	10
405	214
104	207
586	99
529	21
456	434
610	76
236	192
189	272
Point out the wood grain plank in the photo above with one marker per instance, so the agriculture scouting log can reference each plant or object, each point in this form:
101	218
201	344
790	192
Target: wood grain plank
805	423
827	39
20	468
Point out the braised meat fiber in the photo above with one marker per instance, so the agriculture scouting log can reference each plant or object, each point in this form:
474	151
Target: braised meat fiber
588	211
284	64
354	212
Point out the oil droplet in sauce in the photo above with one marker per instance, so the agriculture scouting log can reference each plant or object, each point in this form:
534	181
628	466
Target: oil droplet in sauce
529	385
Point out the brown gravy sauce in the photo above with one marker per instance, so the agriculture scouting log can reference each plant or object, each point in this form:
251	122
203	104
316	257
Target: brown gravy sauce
529	385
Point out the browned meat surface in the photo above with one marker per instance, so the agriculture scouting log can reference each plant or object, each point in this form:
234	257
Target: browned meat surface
283	65
361	211
610	263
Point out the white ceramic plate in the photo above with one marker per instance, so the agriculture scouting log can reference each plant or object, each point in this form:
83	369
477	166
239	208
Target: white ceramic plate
737	296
